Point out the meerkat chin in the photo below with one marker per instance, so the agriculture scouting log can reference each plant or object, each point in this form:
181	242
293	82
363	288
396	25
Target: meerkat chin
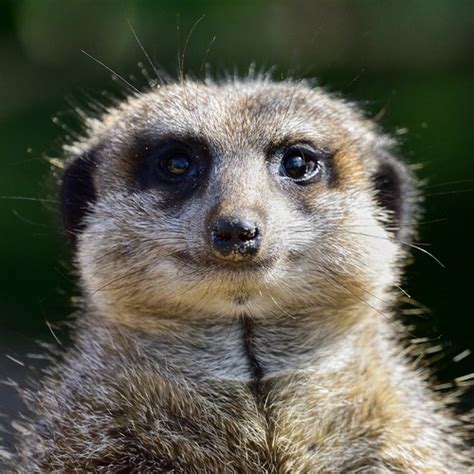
237	246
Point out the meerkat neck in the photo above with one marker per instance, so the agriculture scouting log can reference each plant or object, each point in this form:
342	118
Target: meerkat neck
279	346
247	348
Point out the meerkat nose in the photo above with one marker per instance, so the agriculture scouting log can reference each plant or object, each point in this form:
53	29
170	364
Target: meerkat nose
234	238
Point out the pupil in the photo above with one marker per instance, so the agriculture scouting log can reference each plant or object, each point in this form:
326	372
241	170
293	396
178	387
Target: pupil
177	165
295	166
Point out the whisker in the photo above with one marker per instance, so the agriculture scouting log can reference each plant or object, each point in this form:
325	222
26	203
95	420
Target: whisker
98	61
13	359
27	221
206	54
188	37
421	249
56	338
403	291
115	280
25	198
445	193
275	302
140	44
349	292
449	183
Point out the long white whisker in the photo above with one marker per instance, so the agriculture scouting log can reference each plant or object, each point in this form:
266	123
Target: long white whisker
25	198
188	37
206	54
140	44
98	61
421	249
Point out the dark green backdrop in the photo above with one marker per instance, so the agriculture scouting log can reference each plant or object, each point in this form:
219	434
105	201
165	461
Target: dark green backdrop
408	63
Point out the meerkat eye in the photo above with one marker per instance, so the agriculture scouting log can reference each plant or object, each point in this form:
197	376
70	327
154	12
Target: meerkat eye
173	164
176	165
300	165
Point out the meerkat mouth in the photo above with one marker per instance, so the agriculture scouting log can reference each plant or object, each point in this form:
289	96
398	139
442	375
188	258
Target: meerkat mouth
211	264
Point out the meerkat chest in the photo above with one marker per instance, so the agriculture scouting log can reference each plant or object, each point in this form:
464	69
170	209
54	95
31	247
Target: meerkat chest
259	399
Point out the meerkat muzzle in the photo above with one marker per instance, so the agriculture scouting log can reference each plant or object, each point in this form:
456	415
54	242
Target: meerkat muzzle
235	239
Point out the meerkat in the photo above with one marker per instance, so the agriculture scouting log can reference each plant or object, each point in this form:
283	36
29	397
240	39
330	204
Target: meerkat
238	246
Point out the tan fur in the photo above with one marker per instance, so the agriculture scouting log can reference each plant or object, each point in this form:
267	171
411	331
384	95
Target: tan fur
290	363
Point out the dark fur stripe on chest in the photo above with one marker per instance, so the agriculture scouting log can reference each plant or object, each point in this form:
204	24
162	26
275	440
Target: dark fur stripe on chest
256	369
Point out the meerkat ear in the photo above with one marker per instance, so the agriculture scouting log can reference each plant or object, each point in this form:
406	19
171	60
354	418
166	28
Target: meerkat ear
77	193
396	192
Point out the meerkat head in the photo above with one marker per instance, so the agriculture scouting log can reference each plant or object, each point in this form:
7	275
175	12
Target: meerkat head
247	197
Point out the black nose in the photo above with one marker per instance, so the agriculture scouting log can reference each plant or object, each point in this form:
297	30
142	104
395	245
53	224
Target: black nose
235	239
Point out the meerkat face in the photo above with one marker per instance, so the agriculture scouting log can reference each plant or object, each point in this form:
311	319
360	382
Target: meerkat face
239	198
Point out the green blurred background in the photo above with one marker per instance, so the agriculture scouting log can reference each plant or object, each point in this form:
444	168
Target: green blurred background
408	63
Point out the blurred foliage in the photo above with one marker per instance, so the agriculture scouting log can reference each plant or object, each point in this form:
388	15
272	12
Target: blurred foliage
408	63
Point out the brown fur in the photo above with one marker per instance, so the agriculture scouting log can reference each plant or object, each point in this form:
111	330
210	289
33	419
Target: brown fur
288	363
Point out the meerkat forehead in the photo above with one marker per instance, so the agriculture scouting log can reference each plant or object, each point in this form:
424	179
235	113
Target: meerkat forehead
238	115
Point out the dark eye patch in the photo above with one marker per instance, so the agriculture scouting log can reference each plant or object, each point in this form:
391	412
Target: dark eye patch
167	165
177	166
